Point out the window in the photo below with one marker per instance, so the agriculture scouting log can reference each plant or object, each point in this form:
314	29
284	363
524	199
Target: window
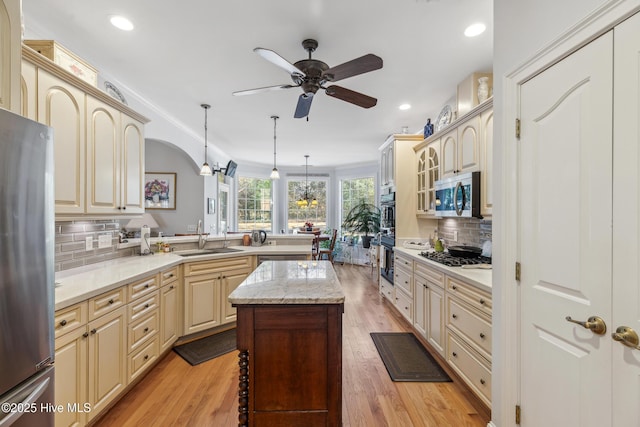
254	204
298	215
352	190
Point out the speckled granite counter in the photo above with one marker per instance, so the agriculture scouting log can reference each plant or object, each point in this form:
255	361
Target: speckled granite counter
290	282
79	284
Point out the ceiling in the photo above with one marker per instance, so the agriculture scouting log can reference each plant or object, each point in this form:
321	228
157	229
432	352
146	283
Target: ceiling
178	57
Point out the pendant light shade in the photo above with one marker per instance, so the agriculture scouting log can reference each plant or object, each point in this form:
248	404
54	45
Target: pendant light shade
205	170
274	173
307	199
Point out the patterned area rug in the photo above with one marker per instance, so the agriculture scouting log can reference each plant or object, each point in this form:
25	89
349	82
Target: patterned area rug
406	359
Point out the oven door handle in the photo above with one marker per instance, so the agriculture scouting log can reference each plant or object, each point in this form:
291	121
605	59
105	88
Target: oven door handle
459	187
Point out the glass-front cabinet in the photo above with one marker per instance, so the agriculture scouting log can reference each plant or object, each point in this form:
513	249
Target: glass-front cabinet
428	172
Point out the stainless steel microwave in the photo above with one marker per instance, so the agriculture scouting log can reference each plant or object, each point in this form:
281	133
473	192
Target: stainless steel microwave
458	196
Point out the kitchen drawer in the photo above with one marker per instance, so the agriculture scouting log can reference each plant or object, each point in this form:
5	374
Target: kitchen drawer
70	318
207	267
140	308
143	287
107	302
386	290
169	276
402	280
142	359
433	275
142	330
404	304
401	261
470	366
470	294
470	326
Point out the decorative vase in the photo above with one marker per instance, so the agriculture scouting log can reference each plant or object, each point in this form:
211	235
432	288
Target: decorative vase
483	89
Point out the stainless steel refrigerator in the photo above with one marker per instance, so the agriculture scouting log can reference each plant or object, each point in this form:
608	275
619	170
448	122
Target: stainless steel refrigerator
26	272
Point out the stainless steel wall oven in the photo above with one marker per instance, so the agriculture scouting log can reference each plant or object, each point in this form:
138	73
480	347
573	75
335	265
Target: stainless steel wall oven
386	271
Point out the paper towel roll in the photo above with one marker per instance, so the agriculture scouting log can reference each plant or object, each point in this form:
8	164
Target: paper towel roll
145	238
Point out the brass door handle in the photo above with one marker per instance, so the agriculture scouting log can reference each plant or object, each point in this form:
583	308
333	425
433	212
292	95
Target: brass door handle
627	336
594	323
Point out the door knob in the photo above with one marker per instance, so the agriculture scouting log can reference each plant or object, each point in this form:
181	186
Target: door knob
594	323
627	336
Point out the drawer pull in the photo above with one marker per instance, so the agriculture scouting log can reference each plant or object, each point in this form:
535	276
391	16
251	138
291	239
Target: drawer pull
170	276
481	301
86	334
482	335
63	322
146	357
146	286
146	306
111	301
171	287
406	308
455	316
146	330
482	381
454	354
93	331
454	287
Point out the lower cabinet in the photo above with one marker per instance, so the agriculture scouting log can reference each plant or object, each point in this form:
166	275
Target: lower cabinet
403	284
429	310
72	367
207	285
170	297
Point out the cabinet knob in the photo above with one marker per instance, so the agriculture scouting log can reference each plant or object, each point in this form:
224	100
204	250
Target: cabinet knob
481	301
170	276
482	381
454	287
146	357
146	330
124	208
111	301
482	335
171	287
455	316
454	354
86	334
93	331
146	286
63	322
146	306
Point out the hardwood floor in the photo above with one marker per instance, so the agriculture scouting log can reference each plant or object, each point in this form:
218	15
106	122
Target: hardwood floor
175	393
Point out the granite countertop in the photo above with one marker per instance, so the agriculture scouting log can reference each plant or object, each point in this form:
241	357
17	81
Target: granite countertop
476	277
79	284
290	282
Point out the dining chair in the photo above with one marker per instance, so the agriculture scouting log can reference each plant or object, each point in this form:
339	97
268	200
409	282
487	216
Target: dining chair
329	251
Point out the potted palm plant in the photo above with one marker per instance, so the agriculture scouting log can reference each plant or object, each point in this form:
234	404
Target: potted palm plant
363	218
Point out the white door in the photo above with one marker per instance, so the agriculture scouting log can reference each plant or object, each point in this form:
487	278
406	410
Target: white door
565	219
626	220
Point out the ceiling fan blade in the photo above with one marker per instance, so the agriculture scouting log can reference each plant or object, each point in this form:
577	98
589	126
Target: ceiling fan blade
351	96
361	65
261	89
304	105
278	60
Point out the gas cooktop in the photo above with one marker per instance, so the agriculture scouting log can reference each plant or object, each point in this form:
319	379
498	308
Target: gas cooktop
454	261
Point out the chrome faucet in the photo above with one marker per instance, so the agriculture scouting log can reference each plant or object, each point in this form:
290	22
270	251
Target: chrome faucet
201	239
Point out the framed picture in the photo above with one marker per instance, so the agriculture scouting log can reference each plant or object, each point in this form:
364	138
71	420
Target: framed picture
211	205
160	190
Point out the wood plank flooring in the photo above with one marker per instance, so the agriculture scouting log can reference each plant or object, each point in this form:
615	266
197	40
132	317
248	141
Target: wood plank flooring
175	393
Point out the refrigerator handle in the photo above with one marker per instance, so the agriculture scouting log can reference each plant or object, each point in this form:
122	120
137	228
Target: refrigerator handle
30	400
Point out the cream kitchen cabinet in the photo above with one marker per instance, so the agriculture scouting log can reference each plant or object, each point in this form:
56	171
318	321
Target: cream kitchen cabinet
115	161
486	163
391	159
460	148
403	285
170	292
429	305
99	142
207	285
10	35
428	170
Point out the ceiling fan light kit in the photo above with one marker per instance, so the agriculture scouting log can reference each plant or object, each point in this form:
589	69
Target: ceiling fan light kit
312	74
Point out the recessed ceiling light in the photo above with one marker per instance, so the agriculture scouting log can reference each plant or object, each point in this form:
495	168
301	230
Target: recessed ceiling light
404	106
475	29
121	22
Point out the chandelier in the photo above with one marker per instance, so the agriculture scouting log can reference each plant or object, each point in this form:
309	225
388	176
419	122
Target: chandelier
306	199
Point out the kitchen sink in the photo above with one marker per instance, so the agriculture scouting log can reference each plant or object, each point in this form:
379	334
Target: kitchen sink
195	252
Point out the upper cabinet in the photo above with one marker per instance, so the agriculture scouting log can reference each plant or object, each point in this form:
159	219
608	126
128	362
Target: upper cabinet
10	35
390	159
464	146
99	142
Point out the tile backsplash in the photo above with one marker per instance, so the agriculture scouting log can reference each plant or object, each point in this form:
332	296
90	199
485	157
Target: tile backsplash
70	243
471	231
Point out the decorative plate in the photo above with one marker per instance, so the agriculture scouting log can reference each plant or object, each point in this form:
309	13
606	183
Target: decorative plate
444	118
114	92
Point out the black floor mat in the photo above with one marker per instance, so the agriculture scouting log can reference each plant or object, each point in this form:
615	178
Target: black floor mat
207	348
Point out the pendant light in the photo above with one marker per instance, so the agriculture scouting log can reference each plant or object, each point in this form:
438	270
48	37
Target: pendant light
274	173
307	199
206	169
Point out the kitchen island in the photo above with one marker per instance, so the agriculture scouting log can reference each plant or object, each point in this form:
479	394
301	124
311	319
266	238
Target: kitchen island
289	335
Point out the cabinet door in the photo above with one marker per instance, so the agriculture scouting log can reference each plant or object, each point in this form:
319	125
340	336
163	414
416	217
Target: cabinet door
107	359
202	302
71	376
229	282
62	107
29	91
383	168
468	154
103	158
169	311
419	305
422	182
391	165
450	153
435	317
132	166
10	54
486	163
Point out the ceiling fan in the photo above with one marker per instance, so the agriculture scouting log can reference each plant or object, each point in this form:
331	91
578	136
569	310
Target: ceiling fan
313	74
